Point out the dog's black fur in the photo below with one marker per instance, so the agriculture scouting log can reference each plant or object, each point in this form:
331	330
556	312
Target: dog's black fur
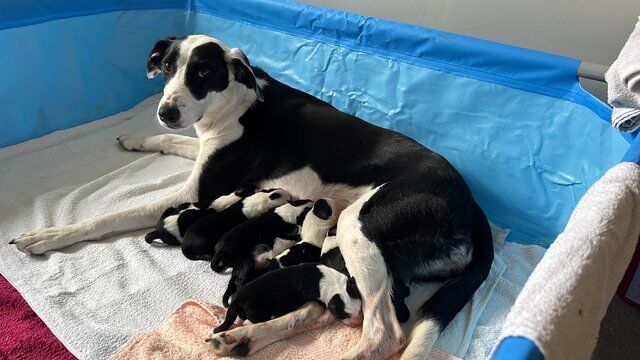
239	247
202	236
282	291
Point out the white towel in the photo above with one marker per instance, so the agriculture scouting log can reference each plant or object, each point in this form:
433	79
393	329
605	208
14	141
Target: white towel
623	79
566	297
94	296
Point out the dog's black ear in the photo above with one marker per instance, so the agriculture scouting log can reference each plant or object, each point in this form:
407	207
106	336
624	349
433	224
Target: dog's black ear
156	55
241	69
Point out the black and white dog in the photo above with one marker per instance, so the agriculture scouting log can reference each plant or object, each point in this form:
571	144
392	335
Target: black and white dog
410	215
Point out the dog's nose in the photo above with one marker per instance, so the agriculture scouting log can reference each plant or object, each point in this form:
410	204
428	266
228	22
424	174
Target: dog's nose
169	114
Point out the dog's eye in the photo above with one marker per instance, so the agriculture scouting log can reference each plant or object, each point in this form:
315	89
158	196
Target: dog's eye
204	72
166	67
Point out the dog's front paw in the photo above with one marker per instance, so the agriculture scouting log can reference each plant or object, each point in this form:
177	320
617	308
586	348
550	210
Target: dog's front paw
225	344
39	241
131	142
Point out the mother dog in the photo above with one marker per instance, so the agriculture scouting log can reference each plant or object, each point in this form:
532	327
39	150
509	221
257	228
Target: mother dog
409	214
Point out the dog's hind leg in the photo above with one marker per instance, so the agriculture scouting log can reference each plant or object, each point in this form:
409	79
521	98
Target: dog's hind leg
246	340
381	332
184	146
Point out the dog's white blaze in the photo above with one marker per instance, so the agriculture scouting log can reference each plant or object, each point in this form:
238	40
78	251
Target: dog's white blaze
260	202
424	334
289	213
334	282
305	183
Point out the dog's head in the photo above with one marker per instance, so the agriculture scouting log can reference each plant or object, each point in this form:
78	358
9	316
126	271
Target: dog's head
202	77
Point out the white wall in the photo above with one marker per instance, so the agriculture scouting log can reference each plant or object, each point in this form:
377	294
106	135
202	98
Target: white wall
590	30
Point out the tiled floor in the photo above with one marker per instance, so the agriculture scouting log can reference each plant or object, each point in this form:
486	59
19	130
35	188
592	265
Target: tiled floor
619	333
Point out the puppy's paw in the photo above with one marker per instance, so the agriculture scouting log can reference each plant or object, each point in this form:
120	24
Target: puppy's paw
131	142
225	344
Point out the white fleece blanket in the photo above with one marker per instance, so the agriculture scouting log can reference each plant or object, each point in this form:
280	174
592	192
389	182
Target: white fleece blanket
94	296
567	296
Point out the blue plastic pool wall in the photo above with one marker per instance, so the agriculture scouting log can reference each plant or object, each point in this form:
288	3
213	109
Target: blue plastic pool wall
515	122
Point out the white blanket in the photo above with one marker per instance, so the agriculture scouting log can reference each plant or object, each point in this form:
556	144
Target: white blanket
565	300
94	296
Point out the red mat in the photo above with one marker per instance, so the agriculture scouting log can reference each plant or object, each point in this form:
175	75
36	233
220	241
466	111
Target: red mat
22	334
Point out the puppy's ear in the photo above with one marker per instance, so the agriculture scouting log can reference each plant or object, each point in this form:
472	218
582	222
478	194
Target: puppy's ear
156	55
241	69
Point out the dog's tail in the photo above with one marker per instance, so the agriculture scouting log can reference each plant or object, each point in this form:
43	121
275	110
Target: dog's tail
442	307
230	318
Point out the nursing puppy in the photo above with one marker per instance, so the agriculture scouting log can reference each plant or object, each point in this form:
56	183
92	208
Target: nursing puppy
331	256
314	229
284	290
201	237
243	247
175	221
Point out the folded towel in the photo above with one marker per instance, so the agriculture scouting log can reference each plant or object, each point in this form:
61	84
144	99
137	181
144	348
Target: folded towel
623	79
182	334
566	297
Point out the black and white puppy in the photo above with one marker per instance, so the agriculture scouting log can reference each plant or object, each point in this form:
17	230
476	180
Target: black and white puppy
201	237
284	290
175	221
314	228
331	256
243	248
318	221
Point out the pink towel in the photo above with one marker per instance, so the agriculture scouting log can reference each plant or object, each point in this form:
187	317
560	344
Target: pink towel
182	334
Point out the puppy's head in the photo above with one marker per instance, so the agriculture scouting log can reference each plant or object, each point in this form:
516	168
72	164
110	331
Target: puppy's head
202	77
319	220
262	201
346	305
294	211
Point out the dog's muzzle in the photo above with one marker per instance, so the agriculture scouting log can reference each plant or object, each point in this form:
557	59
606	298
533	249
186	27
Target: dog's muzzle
170	115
